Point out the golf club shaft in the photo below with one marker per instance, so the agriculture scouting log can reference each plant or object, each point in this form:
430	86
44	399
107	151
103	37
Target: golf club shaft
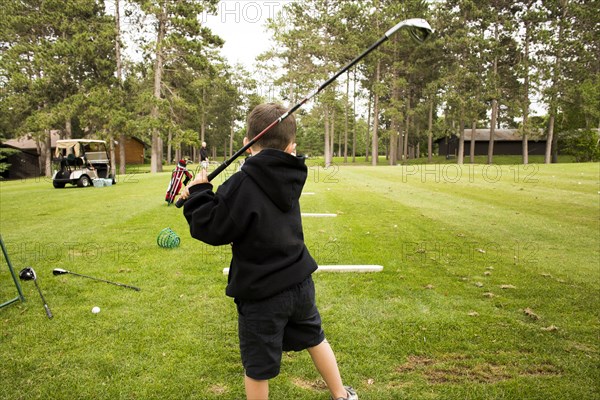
48	312
256	138
104	280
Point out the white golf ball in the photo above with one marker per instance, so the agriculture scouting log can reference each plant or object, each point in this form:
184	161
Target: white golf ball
95	310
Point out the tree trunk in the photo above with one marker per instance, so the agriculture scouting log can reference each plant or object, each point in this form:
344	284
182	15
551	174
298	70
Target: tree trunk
346	122
327	147
113	157
332	133
494	103
555	148
48	154
231	133
407	129
393	142
400	148
375	137
460	159
368	128
122	155
41	157
472	144
169	147
393	150
551	154
430	134
354	118
490	158
525	146
68	128
156	156
118	40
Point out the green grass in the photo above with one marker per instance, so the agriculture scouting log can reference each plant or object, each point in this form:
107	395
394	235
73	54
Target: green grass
435	324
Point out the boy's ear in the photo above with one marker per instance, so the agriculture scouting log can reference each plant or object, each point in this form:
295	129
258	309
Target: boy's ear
245	141
291	149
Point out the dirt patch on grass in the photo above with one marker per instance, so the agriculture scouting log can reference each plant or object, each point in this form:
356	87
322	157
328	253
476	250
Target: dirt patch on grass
414	363
462	373
461	369
218	389
309	385
541	370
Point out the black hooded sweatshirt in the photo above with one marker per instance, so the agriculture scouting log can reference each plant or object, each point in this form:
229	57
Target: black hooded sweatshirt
257	211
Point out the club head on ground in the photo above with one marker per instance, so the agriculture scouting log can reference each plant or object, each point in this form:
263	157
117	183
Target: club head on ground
418	28
59	271
27	274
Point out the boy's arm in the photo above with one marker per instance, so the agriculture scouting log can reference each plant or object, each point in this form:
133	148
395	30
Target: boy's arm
208	215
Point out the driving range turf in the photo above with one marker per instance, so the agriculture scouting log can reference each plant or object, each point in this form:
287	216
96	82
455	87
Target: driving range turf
490	288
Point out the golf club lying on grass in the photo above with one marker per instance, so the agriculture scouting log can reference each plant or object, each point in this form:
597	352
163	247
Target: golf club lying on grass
28	274
418	28
60	271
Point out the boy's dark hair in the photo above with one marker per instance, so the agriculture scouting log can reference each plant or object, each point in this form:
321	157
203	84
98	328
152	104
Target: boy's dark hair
278	137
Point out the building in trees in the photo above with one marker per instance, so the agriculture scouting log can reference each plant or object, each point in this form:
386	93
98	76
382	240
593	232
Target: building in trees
135	151
26	162
506	142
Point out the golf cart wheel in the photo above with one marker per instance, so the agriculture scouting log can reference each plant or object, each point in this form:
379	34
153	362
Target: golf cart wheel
84	181
58	185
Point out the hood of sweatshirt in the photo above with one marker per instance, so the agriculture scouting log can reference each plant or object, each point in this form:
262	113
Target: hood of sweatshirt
279	174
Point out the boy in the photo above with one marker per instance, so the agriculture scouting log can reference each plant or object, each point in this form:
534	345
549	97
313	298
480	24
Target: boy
257	211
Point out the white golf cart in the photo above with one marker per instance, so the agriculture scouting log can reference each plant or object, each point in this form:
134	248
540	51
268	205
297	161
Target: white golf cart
79	161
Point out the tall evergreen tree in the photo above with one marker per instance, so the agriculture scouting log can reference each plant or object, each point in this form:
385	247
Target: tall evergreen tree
54	53
180	38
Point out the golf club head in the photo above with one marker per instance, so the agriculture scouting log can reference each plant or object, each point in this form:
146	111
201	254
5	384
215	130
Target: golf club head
27	274
419	34
59	271
418	28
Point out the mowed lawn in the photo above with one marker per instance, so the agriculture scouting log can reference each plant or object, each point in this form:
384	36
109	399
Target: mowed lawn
490	288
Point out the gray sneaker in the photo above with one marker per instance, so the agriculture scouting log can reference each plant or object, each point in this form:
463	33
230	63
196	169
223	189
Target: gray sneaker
351	394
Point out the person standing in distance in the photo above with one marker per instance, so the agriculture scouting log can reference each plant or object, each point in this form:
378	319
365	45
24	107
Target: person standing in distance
204	156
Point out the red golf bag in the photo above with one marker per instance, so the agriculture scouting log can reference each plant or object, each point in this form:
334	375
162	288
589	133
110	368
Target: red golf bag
180	177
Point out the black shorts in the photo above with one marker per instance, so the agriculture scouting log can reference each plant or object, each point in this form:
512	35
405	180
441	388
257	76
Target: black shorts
288	321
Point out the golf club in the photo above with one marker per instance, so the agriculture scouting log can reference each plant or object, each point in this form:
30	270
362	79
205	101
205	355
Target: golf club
418	28
60	271
28	274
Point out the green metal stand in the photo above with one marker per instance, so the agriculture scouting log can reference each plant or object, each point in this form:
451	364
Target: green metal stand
12	272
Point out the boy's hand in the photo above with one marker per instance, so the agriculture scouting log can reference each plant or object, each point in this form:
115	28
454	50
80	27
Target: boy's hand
202	177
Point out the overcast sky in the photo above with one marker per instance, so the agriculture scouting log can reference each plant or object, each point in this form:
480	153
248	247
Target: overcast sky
241	23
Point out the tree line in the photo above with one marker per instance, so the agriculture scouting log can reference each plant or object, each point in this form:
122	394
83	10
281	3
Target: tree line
62	68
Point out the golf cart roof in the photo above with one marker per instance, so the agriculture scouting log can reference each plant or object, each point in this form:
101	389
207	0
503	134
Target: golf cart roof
75	146
67	143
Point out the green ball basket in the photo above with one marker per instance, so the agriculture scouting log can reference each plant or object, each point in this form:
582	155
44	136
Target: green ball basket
167	239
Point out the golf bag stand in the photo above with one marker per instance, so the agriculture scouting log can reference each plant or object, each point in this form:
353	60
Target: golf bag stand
12	273
180	177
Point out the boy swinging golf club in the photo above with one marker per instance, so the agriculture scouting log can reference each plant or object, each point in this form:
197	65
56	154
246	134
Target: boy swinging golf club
257	211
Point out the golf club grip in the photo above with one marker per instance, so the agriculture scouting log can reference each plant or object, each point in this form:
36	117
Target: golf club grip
179	203
48	312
